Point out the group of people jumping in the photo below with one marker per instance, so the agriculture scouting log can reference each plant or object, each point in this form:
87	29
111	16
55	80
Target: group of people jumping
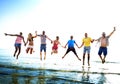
86	42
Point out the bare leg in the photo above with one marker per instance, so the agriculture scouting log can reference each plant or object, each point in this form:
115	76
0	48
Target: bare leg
19	50
16	49
88	59
56	51
101	58
104	59
52	52
27	50
31	50
41	56
83	59
44	55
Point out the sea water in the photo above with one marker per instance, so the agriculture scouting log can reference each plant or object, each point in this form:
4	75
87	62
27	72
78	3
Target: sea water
28	69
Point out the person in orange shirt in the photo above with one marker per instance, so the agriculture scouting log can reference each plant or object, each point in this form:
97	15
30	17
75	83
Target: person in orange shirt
86	42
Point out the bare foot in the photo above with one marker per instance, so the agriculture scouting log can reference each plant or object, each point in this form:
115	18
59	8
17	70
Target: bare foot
79	59
103	61
41	59
44	58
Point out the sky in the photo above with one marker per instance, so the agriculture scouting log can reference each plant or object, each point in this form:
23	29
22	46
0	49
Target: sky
60	17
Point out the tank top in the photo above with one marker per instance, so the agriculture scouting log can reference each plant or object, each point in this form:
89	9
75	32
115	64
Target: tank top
55	44
18	39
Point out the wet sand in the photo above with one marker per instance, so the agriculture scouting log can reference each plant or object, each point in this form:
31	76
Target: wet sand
29	70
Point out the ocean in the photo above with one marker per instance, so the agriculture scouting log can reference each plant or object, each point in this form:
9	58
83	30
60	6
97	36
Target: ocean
28	69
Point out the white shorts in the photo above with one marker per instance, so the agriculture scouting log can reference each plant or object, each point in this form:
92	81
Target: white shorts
29	46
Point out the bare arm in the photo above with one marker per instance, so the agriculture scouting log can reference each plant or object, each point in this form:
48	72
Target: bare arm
35	34
11	34
97	39
65	45
76	44
49	39
61	45
24	41
92	40
112	32
81	44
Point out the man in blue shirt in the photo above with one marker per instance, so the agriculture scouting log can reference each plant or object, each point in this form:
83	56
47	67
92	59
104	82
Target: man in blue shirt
70	44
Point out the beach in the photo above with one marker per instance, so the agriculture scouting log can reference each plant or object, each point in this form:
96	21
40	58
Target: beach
30	70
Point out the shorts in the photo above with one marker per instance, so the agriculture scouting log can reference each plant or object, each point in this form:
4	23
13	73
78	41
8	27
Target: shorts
102	50
71	49
43	47
87	49
17	44
29	46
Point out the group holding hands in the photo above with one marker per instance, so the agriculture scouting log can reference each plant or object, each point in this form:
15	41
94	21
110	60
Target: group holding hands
86	42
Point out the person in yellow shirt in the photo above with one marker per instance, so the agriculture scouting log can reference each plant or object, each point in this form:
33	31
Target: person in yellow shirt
86	43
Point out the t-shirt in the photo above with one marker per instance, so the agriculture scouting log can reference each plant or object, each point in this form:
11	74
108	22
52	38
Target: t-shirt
87	41
71	43
43	39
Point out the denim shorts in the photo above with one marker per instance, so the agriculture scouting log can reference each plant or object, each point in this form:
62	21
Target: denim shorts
102	50
43	47
17	44
87	49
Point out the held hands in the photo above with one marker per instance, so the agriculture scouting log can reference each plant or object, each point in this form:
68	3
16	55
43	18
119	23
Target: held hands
51	42
65	46
24	44
92	40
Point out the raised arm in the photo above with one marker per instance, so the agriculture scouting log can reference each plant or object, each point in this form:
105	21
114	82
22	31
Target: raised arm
112	32
35	34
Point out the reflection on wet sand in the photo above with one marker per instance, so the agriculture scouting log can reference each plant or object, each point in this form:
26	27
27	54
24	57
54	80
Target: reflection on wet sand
43	76
34	72
85	75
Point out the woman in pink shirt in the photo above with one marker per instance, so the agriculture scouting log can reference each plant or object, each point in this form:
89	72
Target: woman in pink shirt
18	42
